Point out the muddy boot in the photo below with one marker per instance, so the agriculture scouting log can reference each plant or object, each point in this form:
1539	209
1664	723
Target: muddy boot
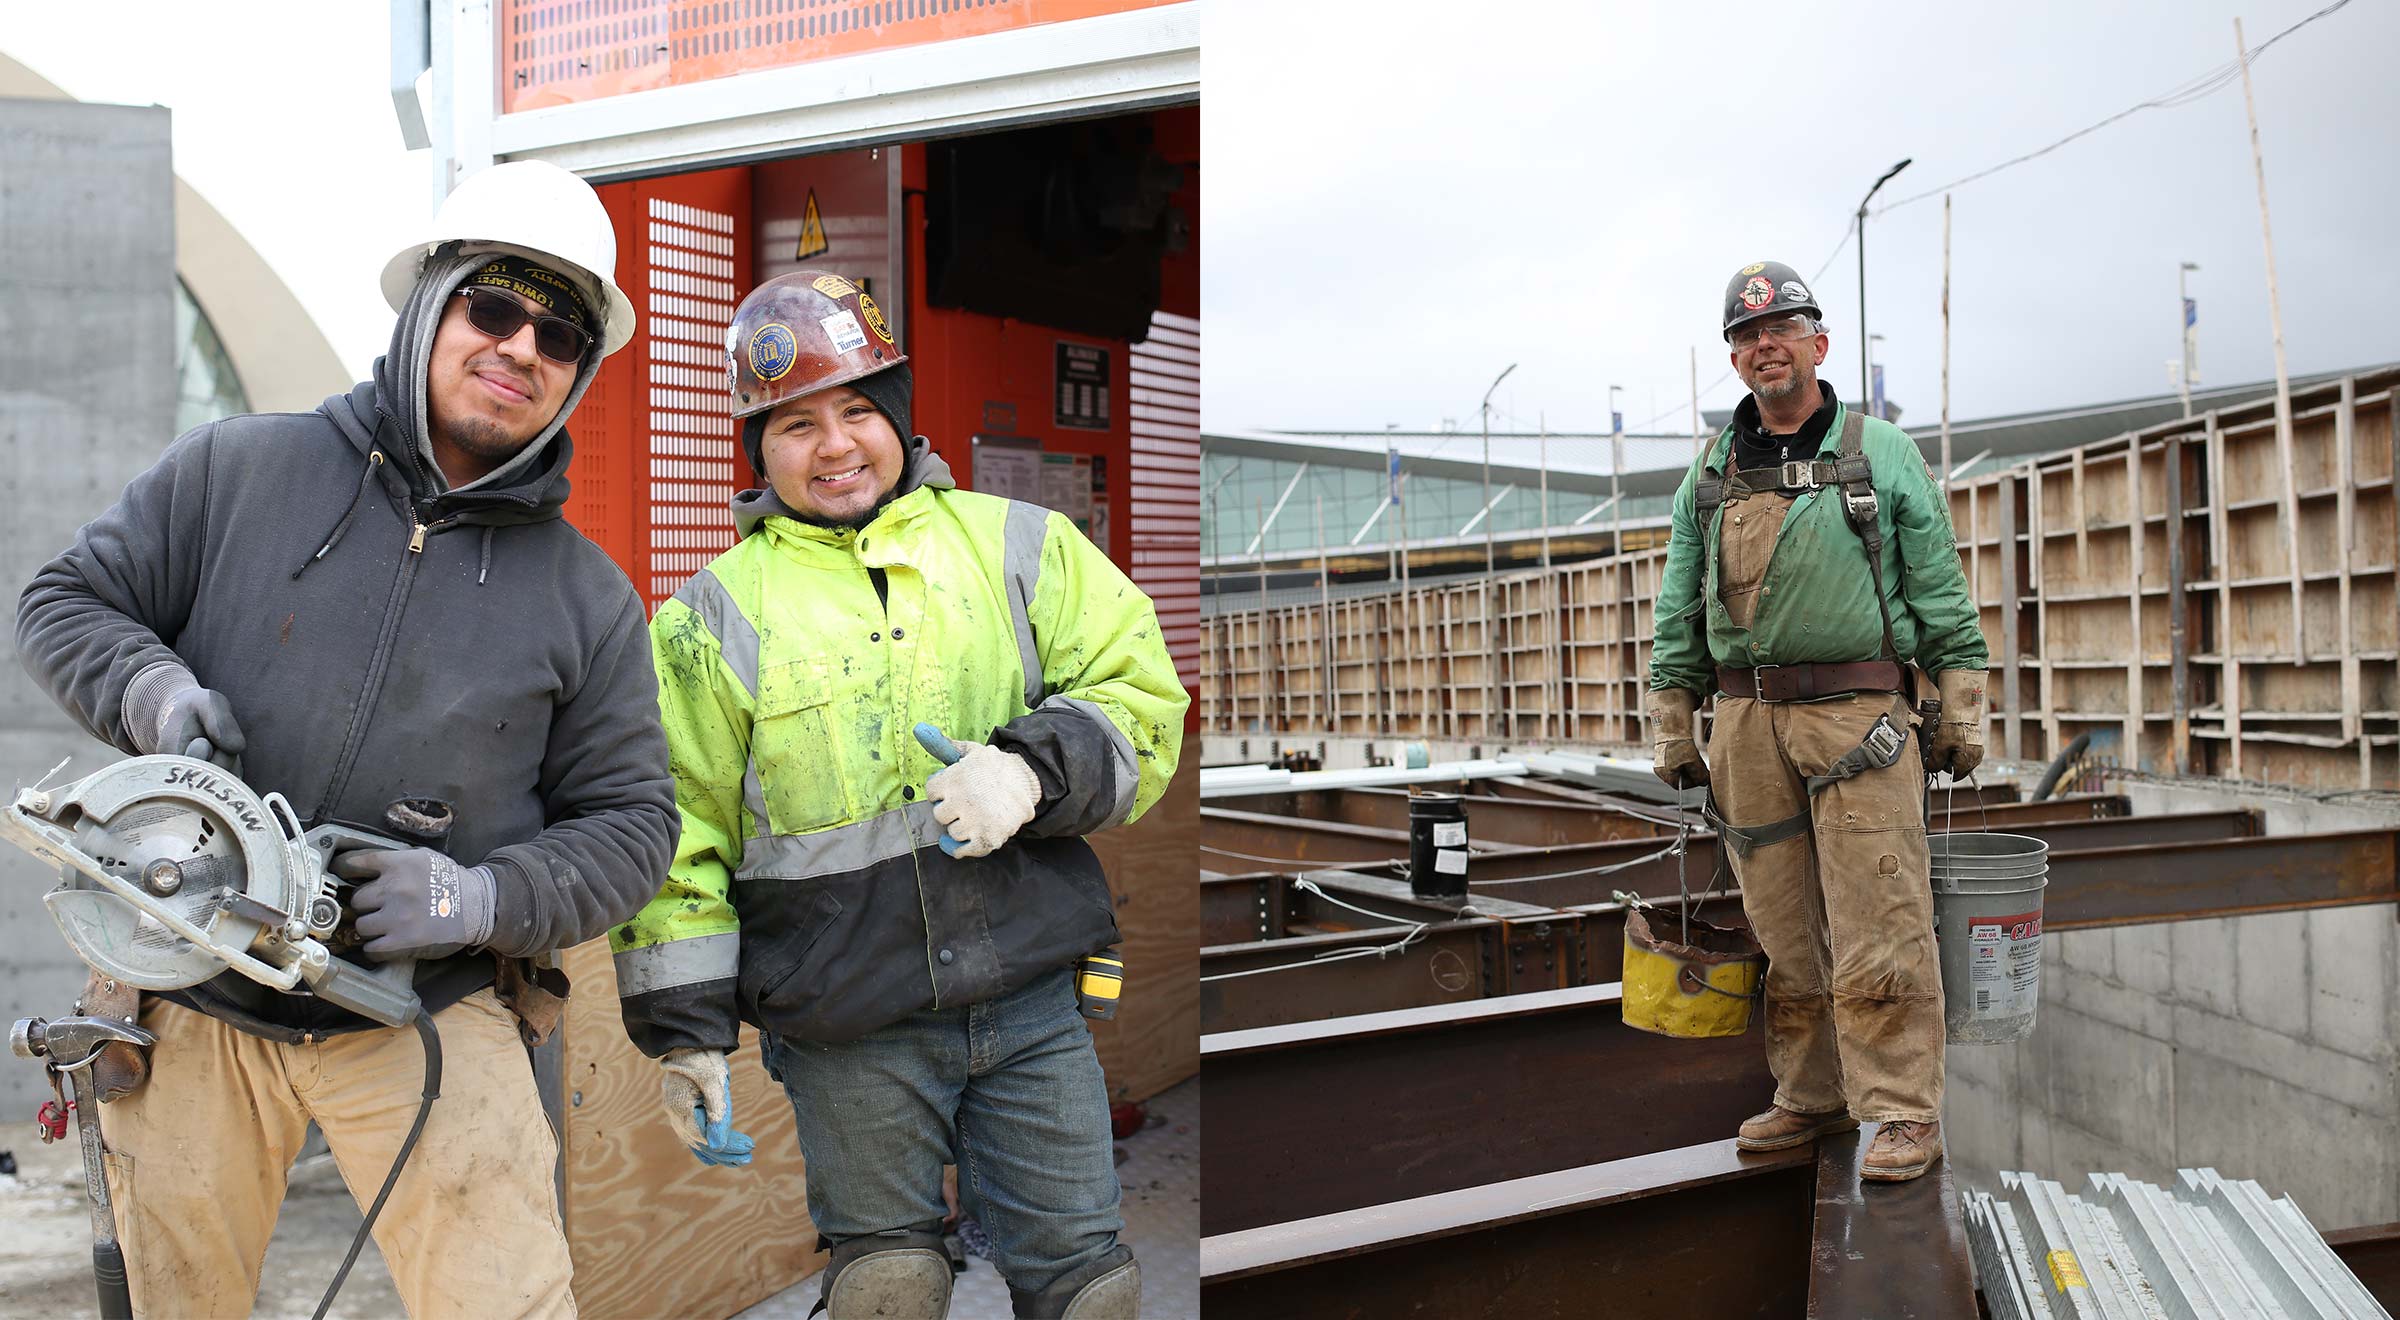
1779	1128
1901	1151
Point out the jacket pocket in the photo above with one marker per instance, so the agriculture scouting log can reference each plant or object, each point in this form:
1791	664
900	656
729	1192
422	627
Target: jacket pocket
782	921
792	744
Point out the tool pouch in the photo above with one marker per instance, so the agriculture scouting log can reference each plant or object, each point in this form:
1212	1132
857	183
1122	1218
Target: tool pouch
537	995
122	1066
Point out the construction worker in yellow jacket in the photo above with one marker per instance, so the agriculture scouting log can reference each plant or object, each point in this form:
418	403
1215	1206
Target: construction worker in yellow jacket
1810	563
903	933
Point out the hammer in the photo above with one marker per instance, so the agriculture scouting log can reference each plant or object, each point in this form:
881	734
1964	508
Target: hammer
68	1046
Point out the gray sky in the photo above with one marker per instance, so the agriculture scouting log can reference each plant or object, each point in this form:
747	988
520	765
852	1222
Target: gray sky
1398	208
282	120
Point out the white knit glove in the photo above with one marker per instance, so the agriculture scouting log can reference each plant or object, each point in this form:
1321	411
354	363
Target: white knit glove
697	1081
985	798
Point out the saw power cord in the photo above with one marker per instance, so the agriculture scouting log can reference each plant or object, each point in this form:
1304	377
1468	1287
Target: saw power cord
433	1091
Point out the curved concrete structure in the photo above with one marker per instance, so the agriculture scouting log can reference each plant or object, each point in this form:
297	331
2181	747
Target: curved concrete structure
283	360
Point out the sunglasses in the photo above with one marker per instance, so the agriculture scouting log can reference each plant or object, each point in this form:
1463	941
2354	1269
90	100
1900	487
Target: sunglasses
500	316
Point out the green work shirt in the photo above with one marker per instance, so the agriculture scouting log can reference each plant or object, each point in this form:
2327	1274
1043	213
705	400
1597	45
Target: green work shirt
1819	599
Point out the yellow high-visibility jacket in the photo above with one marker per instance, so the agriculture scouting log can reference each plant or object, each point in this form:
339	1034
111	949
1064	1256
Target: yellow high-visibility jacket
807	894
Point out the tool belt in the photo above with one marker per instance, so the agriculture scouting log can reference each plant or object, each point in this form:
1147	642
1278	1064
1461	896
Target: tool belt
1809	682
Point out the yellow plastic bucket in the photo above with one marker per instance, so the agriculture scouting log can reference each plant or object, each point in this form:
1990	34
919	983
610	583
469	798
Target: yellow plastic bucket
1695	990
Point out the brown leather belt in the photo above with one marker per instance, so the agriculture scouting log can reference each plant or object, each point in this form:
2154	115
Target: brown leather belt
1808	682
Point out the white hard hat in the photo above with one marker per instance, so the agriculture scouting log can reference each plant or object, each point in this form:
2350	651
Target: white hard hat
538	209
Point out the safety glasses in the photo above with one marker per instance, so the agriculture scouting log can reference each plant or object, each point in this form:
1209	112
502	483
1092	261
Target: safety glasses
500	316
1787	327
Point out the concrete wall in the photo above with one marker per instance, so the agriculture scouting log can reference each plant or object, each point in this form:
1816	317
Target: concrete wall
87	400
2260	1045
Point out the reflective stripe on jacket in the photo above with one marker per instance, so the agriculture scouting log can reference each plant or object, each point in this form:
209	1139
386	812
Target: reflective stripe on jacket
807	895
1818	602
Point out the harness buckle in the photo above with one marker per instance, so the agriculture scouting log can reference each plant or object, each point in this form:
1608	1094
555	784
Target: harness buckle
1800	474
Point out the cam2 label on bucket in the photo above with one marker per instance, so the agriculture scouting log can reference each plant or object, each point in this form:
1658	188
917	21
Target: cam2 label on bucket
2004	963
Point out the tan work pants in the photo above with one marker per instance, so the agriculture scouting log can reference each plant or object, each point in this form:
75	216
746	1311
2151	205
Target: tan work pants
198	1160
1845	910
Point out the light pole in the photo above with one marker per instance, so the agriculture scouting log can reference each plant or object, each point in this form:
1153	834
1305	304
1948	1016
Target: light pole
1863	395
1489	559
1874	405
2191	333
1616	467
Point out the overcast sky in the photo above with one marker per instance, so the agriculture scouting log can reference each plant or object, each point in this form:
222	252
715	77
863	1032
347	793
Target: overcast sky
1396	210
282	120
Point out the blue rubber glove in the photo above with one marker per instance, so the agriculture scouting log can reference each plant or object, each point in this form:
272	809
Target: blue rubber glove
940	748
693	1078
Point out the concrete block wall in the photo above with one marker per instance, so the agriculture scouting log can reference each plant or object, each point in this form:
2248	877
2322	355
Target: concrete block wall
2262	1046
87	400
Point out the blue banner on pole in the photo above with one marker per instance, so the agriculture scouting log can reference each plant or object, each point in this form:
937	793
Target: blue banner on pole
2191	313
1616	423
1391	459
1878	410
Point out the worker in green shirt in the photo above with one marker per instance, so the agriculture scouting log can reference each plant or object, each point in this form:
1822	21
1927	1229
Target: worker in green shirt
1811	564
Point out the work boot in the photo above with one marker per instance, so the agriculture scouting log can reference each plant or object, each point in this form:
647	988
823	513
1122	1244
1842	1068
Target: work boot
1901	1150
1779	1128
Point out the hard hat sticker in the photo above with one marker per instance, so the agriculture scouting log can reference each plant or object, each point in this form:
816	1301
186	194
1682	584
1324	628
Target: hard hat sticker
1795	291
842	329
1754	267
833	286
1758	292
772	350
874	315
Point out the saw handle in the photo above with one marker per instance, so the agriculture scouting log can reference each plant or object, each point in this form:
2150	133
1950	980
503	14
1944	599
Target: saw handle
386	992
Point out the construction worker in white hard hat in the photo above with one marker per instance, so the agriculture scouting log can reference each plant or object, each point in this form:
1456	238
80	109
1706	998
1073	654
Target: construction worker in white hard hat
371	604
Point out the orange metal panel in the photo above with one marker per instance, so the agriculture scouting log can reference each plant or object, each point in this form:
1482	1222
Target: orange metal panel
553	52
657	456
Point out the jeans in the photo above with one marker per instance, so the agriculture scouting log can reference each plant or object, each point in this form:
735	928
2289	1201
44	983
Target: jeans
1009	1090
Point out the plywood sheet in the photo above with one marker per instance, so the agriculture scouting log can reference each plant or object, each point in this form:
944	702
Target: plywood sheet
1154	870
653	1231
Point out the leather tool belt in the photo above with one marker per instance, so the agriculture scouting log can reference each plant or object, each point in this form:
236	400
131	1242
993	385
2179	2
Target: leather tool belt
1810	682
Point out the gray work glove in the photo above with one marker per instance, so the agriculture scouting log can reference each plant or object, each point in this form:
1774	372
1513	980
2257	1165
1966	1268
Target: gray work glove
698	1090
1676	756
166	711
1957	746
417	903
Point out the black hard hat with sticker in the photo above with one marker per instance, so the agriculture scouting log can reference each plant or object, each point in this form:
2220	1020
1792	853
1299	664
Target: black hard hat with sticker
1767	288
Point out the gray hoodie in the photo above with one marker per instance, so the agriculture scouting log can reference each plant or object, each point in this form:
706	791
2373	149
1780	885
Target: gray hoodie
505	667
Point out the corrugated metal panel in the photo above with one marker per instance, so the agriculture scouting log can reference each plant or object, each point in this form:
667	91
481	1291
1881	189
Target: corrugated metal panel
688	427
2210	1247
1165	483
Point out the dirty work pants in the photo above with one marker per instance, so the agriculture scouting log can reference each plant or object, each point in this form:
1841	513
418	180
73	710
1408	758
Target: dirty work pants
1009	1090
200	1153
1844	909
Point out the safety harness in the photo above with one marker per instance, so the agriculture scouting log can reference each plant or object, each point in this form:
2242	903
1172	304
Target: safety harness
1850	471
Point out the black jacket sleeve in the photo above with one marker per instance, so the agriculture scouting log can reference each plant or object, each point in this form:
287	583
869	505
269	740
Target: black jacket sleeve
111	605
610	801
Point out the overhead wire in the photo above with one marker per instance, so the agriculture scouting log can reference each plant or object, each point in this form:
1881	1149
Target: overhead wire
2193	89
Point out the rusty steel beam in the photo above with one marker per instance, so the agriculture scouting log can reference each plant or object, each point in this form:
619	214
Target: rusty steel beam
1705	1231
1273	982
1321	1117
1895	1251
2373	1254
2221	878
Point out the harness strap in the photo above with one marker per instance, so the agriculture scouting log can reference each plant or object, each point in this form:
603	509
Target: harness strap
1880	748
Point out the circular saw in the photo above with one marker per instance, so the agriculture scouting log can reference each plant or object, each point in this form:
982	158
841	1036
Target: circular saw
173	871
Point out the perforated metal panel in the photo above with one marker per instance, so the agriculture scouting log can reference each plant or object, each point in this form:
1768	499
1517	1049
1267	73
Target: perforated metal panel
557	51
691	467
1165	494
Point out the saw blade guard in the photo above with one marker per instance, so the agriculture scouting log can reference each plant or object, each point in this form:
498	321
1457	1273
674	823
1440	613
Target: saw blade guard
173	870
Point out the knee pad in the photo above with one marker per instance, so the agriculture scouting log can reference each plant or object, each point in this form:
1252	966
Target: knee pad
1109	1288
889	1276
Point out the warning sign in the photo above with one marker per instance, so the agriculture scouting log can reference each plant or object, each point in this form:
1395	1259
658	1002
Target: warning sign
2004	964
1081	381
813	242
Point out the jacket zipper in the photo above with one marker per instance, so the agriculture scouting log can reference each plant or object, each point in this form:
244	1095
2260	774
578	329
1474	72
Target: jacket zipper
380	662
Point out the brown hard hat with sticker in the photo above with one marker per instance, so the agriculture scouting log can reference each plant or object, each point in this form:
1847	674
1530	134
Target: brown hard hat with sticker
803	332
